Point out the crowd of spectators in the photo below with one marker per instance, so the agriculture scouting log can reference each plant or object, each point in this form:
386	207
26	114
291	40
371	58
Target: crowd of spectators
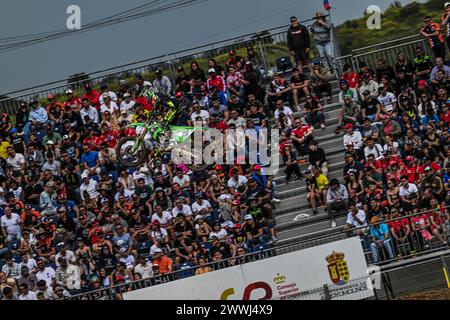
74	220
396	135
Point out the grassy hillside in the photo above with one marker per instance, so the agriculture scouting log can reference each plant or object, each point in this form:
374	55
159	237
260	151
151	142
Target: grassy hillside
396	22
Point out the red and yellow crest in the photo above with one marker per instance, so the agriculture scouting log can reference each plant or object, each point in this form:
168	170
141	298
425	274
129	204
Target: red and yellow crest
337	268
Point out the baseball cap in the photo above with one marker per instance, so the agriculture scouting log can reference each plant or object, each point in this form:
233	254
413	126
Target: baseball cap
179	94
343	81
403	98
13	130
427	169
348	126
212	70
446	4
422	83
105	95
248	217
158	250
257	167
126	95
50	142
65	136
218	167
199	194
69	91
122	250
409	158
50	97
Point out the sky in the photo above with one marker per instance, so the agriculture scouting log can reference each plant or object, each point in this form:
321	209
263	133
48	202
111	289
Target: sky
139	39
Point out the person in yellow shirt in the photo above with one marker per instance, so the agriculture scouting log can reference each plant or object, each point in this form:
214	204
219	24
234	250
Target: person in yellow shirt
321	184
3	146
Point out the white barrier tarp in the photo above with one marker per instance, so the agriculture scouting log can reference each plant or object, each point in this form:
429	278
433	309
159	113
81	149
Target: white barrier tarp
295	275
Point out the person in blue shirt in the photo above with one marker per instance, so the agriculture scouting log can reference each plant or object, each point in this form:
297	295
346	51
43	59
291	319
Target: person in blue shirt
122	239
37	118
430	117
69	205
38	114
263	182
90	162
380	238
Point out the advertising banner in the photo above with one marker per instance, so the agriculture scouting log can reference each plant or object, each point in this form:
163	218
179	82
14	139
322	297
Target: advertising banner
296	275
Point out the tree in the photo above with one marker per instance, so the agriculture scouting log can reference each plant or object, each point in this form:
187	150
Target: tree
264	36
77	80
397	4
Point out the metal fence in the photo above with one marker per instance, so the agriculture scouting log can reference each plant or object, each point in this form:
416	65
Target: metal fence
415	245
269	44
114	292
428	233
402	281
388	51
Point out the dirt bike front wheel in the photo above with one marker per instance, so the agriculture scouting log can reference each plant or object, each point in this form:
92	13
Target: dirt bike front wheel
130	155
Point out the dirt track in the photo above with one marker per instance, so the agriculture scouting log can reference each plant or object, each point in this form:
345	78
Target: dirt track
435	294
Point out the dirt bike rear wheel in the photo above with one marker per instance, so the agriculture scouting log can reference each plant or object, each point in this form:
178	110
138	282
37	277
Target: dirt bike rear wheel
128	158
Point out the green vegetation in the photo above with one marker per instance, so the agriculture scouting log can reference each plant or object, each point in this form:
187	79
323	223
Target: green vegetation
396	22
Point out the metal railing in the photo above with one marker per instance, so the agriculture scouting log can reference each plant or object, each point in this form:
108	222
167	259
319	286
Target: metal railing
420	239
113	292
414	245
265	43
270	44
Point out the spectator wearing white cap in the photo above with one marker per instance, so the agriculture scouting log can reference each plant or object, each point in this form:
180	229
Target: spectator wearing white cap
109	105
72	101
88	187
181	208
127	104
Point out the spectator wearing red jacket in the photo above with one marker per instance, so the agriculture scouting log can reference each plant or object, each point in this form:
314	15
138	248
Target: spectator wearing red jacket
92	95
92	141
351	76
71	101
109	136
216	84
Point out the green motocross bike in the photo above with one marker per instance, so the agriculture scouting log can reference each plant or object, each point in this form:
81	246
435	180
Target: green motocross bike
134	151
